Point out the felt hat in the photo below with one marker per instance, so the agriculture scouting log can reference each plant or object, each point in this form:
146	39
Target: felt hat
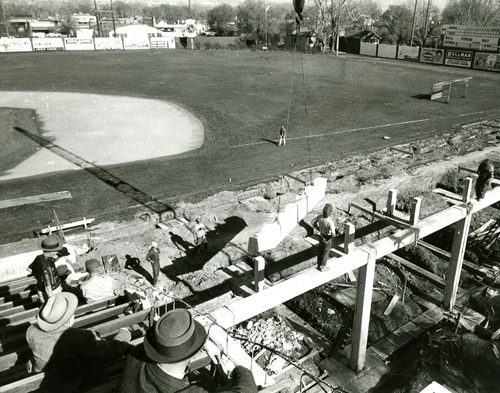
176	336
51	243
92	264
62	270
56	311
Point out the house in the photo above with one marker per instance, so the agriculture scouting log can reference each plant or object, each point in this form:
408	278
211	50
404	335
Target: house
136	32
351	41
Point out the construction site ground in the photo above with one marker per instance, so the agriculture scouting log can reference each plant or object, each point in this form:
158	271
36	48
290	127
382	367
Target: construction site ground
432	347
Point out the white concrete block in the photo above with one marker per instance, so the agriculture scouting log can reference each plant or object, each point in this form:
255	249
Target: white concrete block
269	236
301	206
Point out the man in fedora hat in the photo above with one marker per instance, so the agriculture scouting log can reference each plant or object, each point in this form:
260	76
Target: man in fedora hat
161	363
57	345
98	285
44	268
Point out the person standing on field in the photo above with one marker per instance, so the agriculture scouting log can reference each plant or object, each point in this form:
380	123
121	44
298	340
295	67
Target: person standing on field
282	136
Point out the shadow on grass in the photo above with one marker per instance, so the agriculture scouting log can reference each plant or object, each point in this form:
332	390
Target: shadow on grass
102	174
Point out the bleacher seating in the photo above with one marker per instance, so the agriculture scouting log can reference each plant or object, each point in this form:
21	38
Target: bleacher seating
18	310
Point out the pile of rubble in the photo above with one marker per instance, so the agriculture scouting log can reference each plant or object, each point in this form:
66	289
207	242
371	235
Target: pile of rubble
265	338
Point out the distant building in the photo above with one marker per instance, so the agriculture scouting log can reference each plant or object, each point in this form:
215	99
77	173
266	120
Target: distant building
136	32
187	28
33	27
351	42
84	20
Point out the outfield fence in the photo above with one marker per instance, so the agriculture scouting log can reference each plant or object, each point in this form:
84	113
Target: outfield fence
464	58
82	44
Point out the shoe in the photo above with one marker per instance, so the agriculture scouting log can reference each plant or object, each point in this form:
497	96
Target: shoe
323	268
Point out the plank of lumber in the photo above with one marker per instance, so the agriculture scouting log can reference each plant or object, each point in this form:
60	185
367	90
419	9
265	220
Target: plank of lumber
391	305
418	270
35	199
469	266
398	223
448	194
80	223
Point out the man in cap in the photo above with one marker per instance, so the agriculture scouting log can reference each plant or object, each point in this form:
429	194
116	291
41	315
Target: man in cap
44	270
98	285
57	345
153	256
161	363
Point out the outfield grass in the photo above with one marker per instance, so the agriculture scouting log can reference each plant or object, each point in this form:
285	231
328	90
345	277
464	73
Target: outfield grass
332	107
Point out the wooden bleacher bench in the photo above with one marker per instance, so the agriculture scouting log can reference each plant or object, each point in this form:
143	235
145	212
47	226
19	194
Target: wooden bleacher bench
32	382
438	88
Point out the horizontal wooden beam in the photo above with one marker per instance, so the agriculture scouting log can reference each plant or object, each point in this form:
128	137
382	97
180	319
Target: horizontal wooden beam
35	199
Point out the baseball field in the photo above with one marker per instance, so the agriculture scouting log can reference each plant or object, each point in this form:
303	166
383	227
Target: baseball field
122	130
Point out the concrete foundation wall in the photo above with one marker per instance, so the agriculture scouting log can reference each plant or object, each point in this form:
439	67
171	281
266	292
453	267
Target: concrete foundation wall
272	234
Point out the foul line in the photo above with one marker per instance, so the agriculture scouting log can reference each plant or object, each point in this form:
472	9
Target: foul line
368	128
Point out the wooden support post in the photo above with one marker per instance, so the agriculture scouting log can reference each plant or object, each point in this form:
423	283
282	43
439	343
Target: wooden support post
259	264
449	93
362	314
349	230
467	190
391	202
456	261
415	210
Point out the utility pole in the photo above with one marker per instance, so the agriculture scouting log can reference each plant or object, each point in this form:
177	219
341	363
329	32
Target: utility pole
5	18
426	21
338	30
413	24
113	17
98	20
265	13
333	27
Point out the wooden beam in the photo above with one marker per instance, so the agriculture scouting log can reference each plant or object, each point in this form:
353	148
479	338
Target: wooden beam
362	314
391	202
456	261
35	199
415	210
419	271
392	220
349	235
467	190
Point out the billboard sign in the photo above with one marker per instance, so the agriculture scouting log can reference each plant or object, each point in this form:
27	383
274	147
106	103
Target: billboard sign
458	58
472	37
408	53
15	45
431	55
79	43
108	43
135	44
487	61
47	44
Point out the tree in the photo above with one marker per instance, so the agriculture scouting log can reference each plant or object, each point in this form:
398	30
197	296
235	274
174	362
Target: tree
395	25
220	18
472	13
327	17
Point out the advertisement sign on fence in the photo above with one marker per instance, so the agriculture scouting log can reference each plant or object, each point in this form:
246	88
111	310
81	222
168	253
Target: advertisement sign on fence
368	49
387	51
79	43
487	61
431	55
408	53
15	45
459	58
48	44
135	44
108	43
